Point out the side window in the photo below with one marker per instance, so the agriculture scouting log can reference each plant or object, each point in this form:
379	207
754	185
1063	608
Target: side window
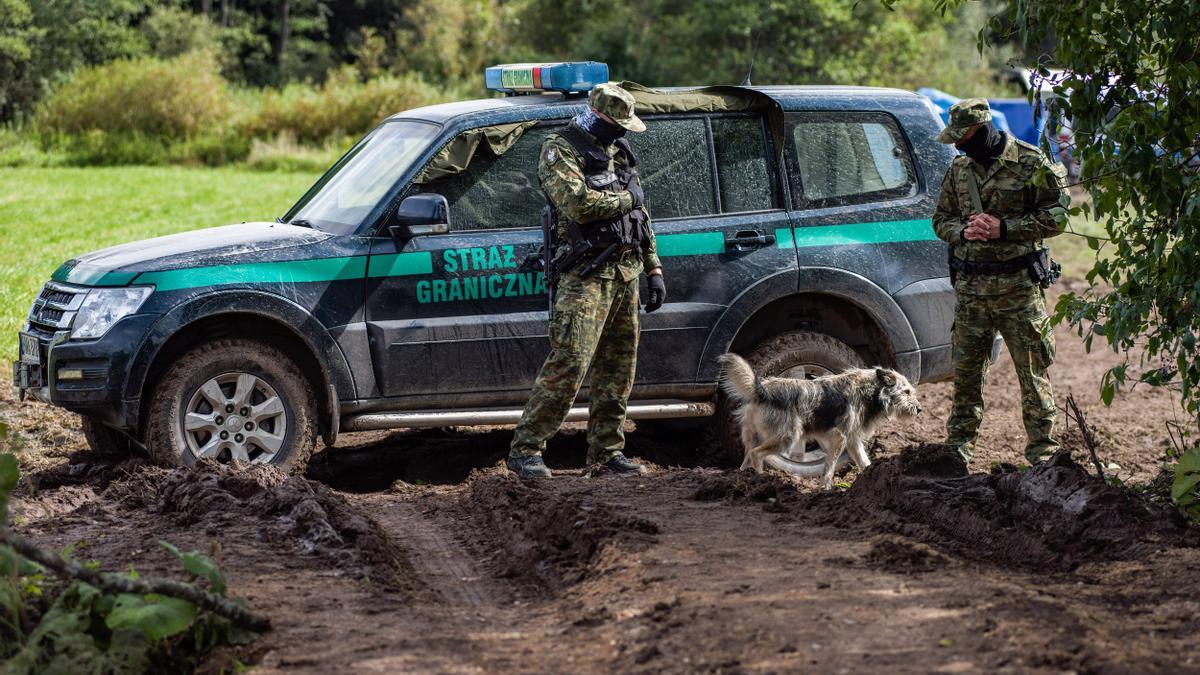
497	192
742	166
852	158
675	167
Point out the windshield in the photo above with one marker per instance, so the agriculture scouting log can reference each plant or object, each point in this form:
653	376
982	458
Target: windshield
345	195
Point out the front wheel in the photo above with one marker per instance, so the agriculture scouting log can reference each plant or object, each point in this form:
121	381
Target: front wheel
233	400
797	354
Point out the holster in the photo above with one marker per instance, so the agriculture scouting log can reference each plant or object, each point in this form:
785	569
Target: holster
1042	269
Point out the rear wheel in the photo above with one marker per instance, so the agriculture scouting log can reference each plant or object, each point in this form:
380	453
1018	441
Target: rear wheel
233	400
106	441
798	354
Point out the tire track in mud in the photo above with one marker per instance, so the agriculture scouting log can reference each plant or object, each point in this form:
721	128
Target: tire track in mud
443	564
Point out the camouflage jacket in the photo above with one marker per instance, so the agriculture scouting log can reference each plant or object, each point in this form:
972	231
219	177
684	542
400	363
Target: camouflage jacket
1009	189
560	170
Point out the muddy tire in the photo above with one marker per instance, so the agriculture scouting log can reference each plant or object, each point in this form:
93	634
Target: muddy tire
233	400
792	354
105	441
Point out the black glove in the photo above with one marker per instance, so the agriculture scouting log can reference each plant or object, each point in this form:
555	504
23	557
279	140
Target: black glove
639	197
656	294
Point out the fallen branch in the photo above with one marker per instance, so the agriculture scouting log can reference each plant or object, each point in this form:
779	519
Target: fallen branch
117	583
1089	440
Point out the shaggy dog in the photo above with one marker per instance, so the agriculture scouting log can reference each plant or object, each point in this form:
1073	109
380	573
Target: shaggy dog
840	412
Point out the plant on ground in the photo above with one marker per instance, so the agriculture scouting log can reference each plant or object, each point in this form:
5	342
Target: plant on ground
60	616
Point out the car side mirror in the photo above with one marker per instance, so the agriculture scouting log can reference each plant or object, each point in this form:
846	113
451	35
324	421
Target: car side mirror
420	215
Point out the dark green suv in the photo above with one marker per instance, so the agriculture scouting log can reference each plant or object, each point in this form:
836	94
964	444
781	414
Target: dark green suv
403	289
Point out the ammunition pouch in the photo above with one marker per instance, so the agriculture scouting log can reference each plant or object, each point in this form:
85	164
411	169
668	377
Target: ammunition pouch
1041	269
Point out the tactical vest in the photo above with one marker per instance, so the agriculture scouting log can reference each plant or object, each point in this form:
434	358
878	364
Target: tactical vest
632	228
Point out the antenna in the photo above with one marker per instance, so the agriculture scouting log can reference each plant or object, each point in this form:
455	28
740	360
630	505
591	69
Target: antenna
753	50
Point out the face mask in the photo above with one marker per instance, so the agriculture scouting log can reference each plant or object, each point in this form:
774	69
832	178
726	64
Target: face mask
985	145
605	132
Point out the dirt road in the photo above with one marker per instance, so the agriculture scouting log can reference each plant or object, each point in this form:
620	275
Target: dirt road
415	552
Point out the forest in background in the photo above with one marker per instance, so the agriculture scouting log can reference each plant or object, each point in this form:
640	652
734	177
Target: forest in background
290	83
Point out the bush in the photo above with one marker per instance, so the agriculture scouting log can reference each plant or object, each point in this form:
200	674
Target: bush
342	106
181	111
285	154
150	98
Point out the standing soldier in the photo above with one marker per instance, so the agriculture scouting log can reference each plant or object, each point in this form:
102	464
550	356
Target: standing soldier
994	211
599	217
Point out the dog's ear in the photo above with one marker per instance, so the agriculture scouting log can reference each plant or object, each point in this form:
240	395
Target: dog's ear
886	377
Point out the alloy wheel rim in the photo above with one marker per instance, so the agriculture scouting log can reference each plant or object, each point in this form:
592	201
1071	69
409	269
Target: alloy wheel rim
806	371
235	417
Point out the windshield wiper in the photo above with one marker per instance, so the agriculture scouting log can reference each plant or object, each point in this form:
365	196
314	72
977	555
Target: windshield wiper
301	222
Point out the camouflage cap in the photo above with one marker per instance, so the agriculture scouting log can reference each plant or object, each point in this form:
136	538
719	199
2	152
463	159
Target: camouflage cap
617	103
964	115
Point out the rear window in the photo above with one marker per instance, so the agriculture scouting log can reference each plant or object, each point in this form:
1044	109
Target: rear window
847	158
743	167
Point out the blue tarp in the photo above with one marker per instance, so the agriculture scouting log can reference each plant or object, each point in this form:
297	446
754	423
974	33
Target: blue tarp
943	101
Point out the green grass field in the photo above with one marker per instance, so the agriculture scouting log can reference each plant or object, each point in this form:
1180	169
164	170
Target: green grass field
49	215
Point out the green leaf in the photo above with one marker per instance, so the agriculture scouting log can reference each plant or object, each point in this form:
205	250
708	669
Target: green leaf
12	564
156	616
10	472
1184	486
1107	391
200	565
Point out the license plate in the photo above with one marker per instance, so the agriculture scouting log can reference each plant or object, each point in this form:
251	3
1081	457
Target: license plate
31	351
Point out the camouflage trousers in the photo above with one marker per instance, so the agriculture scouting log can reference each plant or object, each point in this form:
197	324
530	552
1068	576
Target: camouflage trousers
1019	316
595	323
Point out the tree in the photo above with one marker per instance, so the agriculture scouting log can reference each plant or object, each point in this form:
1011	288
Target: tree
17	34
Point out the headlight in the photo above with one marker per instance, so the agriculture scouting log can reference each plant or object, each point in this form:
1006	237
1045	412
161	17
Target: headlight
105	306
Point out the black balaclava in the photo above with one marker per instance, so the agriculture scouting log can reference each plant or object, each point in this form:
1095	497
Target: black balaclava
985	145
605	132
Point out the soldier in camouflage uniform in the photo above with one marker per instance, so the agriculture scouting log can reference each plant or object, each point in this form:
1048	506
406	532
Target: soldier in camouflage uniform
595	319
994	211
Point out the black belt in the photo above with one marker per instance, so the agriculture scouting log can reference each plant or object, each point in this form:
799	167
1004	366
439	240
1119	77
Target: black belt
990	268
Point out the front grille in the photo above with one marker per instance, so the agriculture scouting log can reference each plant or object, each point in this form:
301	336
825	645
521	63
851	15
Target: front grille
54	309
55	296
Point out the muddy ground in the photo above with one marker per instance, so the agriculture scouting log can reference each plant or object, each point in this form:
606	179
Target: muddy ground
414	551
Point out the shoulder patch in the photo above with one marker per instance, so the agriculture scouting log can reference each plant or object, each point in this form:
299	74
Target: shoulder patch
551	155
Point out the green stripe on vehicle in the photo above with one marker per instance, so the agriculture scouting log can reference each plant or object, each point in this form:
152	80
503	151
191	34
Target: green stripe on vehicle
85	275
690	243
282	272
783	238
401	264
865	233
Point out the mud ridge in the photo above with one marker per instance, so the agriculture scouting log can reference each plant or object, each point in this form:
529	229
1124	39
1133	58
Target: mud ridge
747	486
288	510
1054	516
547	537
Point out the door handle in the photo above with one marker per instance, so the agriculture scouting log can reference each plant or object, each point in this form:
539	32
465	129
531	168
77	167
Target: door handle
748	239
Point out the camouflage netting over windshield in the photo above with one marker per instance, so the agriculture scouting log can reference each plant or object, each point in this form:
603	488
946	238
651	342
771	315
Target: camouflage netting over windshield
721	98
457	155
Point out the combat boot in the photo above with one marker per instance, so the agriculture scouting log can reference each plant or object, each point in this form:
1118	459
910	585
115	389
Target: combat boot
622	464
528	467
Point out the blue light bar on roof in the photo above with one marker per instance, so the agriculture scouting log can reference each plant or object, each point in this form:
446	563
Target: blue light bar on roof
572	76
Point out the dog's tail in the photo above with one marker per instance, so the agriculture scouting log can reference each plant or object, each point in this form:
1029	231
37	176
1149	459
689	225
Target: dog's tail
738	379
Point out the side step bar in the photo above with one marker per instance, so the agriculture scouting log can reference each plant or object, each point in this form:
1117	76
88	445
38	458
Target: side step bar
467	418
